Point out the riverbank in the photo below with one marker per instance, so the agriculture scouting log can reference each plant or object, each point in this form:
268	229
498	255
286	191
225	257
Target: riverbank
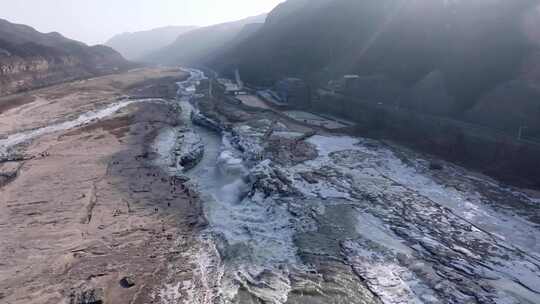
86	216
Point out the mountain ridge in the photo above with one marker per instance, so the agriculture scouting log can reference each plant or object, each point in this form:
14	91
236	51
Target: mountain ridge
475	46
135	45
30	59
196	47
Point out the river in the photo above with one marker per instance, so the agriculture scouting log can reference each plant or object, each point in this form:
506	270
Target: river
362	222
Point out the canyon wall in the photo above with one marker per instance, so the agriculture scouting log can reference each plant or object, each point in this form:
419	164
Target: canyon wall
19	74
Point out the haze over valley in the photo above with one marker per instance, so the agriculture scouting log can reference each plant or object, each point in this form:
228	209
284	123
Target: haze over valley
134	46
282	152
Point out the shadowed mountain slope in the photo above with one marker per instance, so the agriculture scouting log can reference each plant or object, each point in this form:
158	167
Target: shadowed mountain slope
197	47
465	52
136	45
31	59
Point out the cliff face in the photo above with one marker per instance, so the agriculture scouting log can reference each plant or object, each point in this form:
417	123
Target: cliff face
17	74
30	59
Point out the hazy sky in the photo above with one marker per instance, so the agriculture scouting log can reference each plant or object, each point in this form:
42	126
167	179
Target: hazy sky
95	21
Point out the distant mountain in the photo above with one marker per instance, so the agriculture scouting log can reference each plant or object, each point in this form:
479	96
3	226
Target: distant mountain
135	46
30	59
457	58
198	46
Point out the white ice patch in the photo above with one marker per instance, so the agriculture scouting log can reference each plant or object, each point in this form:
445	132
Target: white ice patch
469	205
391	282
164	146
510	292
271	285
208	272
394	169
230	166
382	172
375	230
18	138
328	144
170	294
334	188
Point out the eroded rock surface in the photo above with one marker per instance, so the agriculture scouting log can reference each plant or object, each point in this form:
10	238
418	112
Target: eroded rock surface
338	219
86	206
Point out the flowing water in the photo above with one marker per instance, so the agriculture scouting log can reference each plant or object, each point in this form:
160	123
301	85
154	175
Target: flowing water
243	230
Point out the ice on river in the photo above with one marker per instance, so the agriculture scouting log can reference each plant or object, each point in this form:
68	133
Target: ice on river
414	238
259	231
382	162
406	200
25	136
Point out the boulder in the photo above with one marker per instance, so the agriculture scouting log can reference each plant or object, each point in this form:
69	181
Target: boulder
127	282
189	150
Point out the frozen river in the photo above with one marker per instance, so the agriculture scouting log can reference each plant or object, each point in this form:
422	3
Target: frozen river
360	222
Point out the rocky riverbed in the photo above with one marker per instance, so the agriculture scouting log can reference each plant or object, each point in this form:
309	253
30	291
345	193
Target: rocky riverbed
86	215
296	217
107	197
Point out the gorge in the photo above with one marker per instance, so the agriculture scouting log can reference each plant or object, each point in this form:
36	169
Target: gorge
328	151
